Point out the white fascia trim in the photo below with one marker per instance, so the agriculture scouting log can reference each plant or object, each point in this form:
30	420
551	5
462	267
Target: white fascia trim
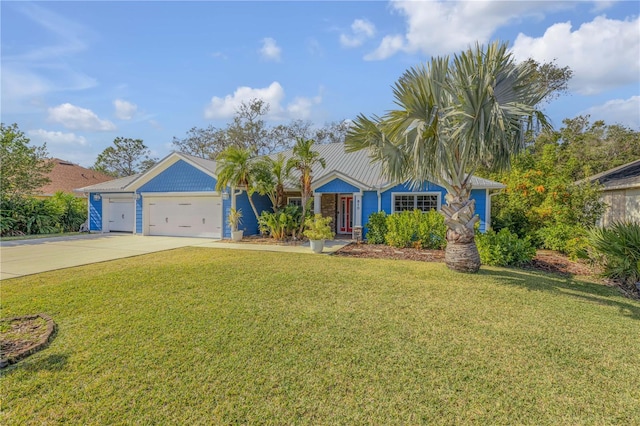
182	194
438	194
114	195
163	165
335	174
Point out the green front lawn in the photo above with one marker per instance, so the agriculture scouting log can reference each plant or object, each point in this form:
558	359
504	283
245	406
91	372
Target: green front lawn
210	336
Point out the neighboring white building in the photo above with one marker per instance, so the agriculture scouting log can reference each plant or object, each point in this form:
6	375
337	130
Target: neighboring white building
621	192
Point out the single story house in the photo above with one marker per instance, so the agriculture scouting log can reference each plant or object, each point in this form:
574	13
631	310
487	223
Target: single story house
177	197
65	176
621	193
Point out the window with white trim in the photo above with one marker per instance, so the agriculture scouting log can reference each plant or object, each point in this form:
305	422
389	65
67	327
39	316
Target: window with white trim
410	202
295	201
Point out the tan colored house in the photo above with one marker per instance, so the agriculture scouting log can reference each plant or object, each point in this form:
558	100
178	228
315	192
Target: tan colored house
66	176
621	192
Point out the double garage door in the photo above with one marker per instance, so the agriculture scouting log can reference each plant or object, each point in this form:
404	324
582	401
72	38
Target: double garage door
184	216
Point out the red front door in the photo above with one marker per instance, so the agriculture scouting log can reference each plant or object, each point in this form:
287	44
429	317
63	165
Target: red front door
346	218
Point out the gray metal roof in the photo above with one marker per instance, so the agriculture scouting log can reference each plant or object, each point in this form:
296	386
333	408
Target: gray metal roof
116	185
358	166
209	165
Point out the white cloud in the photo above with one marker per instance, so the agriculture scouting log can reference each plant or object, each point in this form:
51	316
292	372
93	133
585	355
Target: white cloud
438	27
77	118
618	111
301	107
270	50
389	46
226	107
124	110
602	53
57	138
361	29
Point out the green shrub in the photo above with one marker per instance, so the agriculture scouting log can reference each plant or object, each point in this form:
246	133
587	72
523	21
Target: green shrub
432	231
416	229
318	228
619	246
504	248
72	211
401	229
377	228
556	236
282	224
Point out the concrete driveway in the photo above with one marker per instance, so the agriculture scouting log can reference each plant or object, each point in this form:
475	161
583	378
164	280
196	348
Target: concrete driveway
26	257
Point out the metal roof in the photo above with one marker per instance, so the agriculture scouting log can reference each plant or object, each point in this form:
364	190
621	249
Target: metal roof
358	166
116	185
621	177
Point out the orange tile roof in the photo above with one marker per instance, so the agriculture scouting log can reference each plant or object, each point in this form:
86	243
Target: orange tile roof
66	176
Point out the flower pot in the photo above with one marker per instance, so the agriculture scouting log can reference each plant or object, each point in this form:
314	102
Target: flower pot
317	245
236	235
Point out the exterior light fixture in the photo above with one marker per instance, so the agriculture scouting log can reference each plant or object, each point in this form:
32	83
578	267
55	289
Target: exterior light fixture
96	197
225	194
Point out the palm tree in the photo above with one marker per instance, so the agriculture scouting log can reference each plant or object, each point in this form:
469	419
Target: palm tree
236	168
270	176
303	160
454	116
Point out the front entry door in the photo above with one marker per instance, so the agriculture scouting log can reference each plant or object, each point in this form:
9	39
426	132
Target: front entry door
346	216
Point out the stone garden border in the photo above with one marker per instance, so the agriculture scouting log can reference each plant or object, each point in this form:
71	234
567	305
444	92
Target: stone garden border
37	346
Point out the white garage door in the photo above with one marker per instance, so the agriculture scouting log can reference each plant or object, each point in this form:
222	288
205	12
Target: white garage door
185	216
120	215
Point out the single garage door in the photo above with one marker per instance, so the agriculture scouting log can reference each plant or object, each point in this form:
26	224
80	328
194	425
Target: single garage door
185	216
120	215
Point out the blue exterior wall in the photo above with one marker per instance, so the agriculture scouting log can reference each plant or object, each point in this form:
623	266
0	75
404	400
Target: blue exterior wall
180	177
249	221
337	186
95	213
406	187
370	201
480	195
369	205
139	216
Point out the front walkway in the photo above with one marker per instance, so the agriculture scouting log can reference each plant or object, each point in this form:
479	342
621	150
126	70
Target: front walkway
26	257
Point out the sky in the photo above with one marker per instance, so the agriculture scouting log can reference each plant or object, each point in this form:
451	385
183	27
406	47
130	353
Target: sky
76	75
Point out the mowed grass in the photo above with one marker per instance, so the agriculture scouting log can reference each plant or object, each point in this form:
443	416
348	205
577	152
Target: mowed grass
210	336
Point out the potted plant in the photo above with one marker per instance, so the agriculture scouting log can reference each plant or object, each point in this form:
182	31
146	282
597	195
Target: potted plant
317	230
235	219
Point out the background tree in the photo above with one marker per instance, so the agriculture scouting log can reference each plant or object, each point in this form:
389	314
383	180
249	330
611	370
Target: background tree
125	158
24	167
203	143
454	116
249	130
303	160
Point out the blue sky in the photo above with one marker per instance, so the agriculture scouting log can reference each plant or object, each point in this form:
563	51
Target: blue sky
76	75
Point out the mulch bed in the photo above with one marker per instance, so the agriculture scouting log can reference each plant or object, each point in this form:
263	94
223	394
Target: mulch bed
545	260
23	336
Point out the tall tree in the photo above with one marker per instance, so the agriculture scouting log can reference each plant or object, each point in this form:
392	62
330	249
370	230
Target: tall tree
454	116
303	160
203	143
236	167
125	158
24	167
248	129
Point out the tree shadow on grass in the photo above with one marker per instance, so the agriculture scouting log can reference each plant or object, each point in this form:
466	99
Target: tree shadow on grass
566	286
51	363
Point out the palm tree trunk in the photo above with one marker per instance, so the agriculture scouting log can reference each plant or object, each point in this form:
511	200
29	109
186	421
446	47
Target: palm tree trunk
253	206
461	253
